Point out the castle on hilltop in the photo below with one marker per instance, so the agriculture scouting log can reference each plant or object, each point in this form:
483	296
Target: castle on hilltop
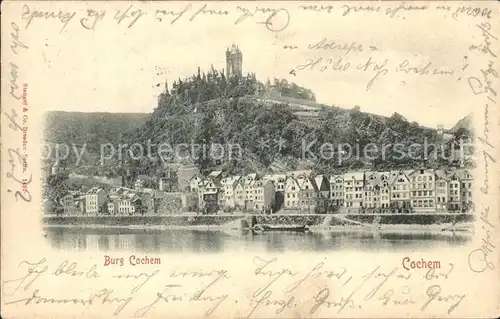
234	61
237	84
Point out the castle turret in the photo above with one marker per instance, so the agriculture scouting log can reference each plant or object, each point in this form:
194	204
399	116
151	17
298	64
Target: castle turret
440	133
234	62
440	129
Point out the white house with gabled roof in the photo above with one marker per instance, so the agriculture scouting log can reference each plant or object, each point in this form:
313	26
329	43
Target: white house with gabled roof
94	200
353	189
422	189
292	190
228	187
441	184
454	185
400	189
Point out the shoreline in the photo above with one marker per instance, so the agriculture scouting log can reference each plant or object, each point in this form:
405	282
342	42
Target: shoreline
424	222
138	227
464	228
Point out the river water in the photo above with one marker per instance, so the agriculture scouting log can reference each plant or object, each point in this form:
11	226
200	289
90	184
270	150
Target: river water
195	241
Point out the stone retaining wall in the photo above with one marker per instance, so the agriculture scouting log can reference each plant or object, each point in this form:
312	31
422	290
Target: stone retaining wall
215	220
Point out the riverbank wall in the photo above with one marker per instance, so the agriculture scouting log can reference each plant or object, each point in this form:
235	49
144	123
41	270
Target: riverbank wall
220	220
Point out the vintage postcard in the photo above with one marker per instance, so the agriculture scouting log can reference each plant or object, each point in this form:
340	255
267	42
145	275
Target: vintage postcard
250	159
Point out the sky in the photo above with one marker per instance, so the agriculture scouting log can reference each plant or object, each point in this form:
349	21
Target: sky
118	69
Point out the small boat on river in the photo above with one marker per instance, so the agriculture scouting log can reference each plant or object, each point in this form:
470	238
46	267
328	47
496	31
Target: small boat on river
266	228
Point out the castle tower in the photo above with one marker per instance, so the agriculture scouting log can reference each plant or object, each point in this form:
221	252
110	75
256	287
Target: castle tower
440	129
441	147
440	133
234	62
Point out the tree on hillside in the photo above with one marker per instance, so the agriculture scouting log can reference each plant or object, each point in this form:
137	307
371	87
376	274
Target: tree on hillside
56	187
462	134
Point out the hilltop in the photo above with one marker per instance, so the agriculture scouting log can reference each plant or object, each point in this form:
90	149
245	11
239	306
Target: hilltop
464	123
271	128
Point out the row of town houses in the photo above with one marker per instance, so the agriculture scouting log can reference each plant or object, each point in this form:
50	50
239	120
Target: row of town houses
418	190
117	201
98	201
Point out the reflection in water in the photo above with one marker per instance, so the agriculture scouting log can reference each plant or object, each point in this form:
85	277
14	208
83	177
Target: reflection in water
194	241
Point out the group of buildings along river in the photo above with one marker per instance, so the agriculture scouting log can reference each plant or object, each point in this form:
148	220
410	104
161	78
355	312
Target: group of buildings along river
397	191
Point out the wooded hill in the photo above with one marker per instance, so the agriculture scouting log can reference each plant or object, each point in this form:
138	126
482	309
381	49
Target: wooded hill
208	108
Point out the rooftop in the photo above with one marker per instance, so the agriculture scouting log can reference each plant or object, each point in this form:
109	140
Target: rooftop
94	190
